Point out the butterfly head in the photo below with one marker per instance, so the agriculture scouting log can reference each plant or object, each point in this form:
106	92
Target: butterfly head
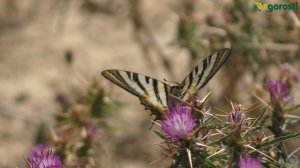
176	90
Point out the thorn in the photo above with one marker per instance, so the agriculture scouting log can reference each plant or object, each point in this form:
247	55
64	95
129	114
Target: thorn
157	160
190	157
220	151
205	98
154	122
249	146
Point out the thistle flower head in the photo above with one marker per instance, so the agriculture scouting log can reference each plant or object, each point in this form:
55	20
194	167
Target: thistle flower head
42	157
178	123
279	92
237	116
247	162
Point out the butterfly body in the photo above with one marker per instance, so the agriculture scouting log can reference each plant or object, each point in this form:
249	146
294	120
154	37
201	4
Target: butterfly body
156	95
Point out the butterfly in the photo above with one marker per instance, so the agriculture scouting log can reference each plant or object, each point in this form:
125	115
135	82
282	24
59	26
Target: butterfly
156	95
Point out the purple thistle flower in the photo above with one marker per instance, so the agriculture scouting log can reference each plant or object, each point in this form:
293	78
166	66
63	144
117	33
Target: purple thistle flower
236	117
238	120
42	157
247	162
279	92
178	123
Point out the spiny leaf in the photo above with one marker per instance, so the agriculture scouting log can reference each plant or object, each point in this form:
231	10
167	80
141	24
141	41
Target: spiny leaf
258	118
281	139
293	108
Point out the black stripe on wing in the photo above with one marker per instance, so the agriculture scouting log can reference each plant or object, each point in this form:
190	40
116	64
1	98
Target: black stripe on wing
202	73
136	79
115	77
149	89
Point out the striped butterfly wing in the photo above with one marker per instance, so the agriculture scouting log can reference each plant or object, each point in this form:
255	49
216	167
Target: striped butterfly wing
202	73
152	93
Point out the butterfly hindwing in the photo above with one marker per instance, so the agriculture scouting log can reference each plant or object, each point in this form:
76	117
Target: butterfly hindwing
202	73
153	93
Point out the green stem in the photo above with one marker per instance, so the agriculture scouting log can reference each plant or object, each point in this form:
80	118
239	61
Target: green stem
278	121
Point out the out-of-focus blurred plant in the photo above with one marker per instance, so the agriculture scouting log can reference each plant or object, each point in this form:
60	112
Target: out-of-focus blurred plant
80	125
254	35
145	38
187	29
290	73
260	39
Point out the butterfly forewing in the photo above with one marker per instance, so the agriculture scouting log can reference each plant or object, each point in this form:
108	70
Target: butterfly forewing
152	92
202	73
